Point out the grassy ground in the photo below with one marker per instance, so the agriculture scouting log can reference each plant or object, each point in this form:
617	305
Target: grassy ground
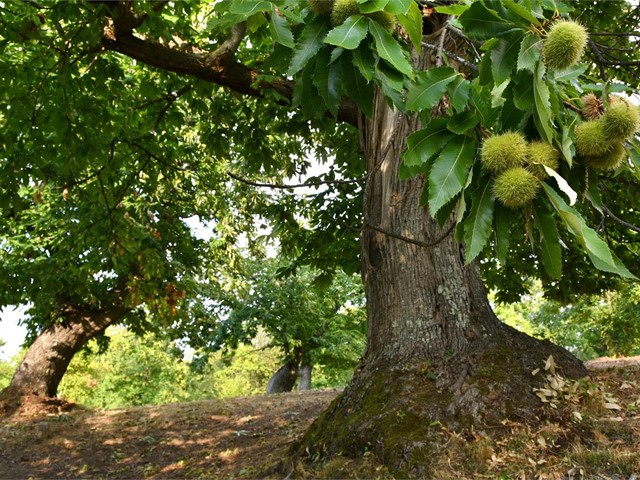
595	433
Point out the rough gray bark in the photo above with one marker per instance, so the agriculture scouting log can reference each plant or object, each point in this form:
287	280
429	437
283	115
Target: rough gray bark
304	377
48	358
284	379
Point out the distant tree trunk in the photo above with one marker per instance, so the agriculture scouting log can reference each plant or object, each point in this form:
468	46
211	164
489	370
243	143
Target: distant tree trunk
435	350
48	358
304	377
284	379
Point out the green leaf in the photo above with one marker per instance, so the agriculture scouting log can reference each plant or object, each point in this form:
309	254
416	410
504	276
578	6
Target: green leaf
597	250
425	143
357	87
248	8
484	110
412	23
521	11
389	49
463	121
399	7
449	172
456	9
504	58
477	226
570	73
429	87
549	241
459	93
530	51
542	111
370	6
502	232
310	41
350	33
363	59
480	23
523	97
497	100
327	80
279	28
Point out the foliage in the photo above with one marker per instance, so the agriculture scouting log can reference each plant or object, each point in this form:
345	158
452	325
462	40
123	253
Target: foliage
604	325
308	321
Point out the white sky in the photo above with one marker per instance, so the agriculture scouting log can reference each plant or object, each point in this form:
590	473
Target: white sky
12	333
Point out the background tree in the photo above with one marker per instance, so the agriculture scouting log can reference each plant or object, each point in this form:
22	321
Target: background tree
435	350
311	324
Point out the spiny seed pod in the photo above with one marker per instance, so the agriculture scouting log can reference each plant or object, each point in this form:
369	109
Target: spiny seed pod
504	151
591	141
611	160
322	8
343	9
516	187
542	154
621	120
592	107
564	44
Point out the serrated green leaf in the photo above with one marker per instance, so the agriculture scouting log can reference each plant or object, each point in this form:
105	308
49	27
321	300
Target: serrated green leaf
370	6
363	59
425	143
497	100
504	58
309	43
542	111
597	250
456	9
521	11
549	241
502	231
481	23
530	51
327	80
477	226
449	171
523	97
389	49
279	28
248	7
350	33
459	93
462	122
399	7
412	23
429	87
570	73
357	87
485	112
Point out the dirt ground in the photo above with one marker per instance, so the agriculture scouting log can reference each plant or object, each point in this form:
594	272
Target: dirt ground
242	437
234	438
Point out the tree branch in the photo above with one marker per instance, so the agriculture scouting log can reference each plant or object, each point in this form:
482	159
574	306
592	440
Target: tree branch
291	186
218	67
619	220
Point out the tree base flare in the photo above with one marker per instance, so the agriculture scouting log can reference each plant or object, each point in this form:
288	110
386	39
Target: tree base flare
397	413
17	402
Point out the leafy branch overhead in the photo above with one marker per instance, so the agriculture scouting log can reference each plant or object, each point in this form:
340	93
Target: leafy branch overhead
510	106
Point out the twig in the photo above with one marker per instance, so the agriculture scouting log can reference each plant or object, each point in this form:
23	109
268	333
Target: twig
599	58
452	56
440	48
619	220
291	186
412	240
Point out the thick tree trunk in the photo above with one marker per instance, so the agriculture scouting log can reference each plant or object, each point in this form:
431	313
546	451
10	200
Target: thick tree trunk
284	379
304	377
48	357
436	353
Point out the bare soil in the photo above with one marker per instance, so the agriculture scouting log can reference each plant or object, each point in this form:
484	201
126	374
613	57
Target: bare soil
243	437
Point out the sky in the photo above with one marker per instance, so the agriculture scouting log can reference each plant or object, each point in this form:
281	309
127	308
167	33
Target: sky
10	332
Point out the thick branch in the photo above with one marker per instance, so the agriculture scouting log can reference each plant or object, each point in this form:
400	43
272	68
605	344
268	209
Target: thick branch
218	67
294	185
